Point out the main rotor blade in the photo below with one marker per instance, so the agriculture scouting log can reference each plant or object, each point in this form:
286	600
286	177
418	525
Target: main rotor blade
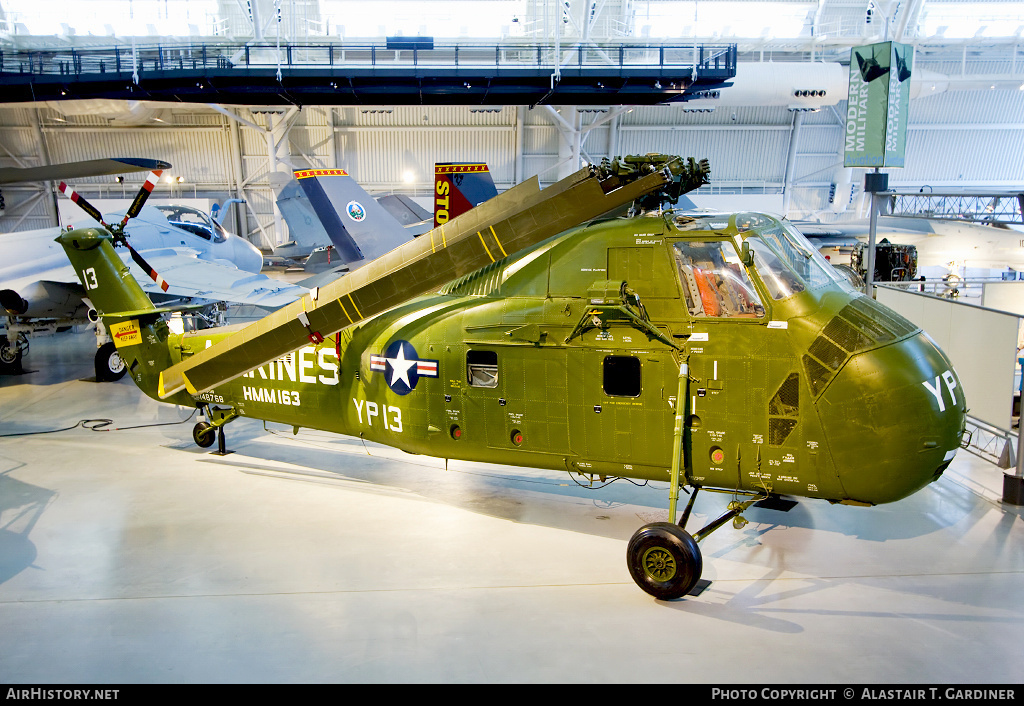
140	198
520	217
82	203
78	170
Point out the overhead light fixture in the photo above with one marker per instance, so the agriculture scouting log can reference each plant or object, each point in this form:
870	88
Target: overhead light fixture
179	179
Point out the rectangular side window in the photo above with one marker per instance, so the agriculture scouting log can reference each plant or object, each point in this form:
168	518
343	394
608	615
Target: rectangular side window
482	368
622	376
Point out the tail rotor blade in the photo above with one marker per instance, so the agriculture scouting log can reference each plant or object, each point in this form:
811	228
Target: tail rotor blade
120	237
82	203
140	198
141	262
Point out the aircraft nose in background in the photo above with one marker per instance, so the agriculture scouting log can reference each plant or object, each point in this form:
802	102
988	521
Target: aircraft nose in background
894	417
246	255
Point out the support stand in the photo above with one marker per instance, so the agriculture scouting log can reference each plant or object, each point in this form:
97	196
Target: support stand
874	183
221	443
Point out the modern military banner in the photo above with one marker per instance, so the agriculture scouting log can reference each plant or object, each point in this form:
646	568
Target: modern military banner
879	100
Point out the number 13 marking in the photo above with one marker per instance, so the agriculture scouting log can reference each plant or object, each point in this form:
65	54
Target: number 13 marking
89	278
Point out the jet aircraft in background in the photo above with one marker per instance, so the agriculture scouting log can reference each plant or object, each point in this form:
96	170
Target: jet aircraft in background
199	261
944	247
338	227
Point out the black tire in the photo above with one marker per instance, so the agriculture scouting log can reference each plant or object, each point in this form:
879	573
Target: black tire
10	356
204	435
109	366
664	560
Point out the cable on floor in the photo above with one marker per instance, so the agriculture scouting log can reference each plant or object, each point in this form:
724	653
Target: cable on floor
101	425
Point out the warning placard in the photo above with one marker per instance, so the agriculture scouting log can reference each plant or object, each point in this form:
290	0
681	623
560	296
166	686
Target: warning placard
126	333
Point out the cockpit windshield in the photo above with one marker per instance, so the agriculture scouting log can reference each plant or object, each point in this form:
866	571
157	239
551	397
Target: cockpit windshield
783	257
194	221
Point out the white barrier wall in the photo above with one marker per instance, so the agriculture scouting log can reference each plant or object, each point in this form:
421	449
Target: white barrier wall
1004	296
981	343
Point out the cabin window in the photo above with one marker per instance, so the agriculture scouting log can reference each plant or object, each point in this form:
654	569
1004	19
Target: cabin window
622	376
715	283
482	368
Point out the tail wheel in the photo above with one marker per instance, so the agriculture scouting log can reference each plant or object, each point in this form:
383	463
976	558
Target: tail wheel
204	434
664	560
109	366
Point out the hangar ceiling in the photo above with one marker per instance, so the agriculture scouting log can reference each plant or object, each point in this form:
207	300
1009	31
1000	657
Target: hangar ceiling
966	122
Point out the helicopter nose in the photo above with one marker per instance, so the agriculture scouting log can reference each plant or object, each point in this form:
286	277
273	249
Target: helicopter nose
893	417
247	256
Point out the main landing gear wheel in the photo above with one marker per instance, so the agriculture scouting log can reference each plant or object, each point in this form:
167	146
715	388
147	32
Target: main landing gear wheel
204	434
664	560
109	366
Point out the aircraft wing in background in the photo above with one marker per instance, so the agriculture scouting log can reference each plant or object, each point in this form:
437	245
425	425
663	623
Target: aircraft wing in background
189	276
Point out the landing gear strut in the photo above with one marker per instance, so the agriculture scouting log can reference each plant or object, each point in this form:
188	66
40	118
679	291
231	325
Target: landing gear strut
663	558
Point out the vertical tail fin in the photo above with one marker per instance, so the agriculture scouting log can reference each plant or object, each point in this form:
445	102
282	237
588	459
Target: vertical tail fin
107	281
360	229
458	187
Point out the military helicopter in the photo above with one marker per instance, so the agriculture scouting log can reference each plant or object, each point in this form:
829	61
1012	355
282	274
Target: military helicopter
719	352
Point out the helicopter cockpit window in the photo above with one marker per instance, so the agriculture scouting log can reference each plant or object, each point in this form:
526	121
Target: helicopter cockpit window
194	221
792	249
482	368
715	283
778	277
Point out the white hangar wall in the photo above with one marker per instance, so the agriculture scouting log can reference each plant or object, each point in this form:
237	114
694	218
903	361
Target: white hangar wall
963	138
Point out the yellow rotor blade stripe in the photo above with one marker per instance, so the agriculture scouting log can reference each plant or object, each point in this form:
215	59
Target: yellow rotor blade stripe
345	311
498	242
485	245
354	306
